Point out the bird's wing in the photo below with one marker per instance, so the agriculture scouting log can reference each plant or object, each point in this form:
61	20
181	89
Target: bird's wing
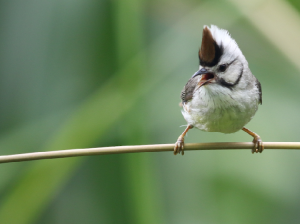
259	89
188	90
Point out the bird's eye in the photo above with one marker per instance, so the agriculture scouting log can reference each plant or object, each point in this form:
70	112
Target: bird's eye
222	67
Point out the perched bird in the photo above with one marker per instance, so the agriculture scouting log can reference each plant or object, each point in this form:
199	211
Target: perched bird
223	95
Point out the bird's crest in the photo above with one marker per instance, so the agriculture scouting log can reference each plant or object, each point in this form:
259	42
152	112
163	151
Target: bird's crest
210	52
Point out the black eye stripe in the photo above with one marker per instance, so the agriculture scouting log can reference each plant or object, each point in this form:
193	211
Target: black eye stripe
223	67
232	61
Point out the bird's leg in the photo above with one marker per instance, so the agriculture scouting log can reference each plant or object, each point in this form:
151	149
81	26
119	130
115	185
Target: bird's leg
258	144
179	145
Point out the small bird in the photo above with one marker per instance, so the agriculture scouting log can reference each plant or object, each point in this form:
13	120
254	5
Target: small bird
223	95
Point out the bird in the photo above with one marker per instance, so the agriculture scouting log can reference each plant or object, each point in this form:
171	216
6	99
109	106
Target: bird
223	95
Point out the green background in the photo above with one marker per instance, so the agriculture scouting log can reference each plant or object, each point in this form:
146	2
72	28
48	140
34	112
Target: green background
79	74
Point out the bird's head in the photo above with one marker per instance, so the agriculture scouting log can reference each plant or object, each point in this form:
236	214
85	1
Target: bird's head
221	60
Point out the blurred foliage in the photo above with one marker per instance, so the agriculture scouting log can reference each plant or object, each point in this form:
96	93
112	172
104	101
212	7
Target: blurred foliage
295	4
78	74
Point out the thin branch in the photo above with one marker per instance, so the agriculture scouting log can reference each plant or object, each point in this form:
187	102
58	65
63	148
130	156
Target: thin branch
141	148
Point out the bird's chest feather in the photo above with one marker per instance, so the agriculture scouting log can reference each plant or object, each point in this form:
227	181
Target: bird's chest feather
219	110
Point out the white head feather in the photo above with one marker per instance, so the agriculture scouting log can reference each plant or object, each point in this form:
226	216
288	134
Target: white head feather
231	49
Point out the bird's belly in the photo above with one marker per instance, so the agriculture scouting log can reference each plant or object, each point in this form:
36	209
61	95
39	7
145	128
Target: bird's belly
220	114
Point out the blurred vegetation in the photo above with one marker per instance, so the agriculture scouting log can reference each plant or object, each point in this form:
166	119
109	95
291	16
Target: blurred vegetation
79	74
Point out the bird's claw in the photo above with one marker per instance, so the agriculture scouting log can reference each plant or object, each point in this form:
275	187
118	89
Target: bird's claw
179	146
258	145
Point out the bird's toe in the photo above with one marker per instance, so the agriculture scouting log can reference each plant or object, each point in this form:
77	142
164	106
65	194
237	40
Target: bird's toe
179	146
258	145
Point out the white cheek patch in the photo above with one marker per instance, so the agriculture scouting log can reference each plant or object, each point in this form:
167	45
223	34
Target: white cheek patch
232	74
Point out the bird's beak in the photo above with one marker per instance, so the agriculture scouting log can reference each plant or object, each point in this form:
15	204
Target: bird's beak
207	76
200	72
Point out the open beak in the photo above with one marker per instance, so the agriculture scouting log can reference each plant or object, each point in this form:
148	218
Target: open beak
207	76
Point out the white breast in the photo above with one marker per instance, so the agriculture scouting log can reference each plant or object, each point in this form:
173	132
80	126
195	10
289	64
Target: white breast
218	109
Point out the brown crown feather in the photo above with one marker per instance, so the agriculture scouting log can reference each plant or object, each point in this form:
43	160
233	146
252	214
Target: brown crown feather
207	51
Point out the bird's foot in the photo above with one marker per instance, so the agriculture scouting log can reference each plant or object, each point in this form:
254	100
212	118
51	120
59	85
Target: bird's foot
258	144
179	146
